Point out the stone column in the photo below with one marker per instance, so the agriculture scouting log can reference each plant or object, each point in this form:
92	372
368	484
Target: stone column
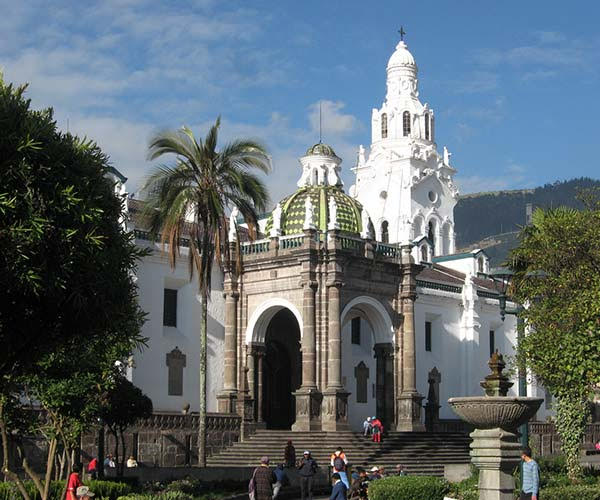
245	400
409	401
335	398
260	356
308	398
227	397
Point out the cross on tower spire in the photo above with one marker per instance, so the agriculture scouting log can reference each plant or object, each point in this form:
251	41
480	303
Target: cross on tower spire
402	32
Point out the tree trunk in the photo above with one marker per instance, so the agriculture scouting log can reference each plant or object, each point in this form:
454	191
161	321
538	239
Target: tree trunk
202	374
8	474
123	449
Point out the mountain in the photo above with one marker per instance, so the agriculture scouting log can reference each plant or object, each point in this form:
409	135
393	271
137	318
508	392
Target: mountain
492	220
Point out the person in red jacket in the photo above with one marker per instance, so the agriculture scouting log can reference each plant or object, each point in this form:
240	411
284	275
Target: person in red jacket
377	430
92	468
73	483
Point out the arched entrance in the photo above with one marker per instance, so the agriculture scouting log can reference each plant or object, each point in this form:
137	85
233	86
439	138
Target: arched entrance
282	371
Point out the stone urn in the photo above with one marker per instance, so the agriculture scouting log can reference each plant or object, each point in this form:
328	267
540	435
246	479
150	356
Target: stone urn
495	449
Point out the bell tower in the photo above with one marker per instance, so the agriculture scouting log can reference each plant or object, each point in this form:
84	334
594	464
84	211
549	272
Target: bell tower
406	186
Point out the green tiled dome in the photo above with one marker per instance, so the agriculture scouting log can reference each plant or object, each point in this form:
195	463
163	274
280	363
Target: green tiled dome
292	210
321	149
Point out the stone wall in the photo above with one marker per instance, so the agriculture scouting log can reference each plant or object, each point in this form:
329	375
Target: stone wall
168	439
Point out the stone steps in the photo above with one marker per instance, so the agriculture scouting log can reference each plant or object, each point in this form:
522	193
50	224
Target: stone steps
420	453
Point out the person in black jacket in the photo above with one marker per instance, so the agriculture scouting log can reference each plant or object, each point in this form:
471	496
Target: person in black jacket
307	468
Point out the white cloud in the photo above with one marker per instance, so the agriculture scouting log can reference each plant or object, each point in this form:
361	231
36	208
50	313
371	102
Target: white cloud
513	176
334	121
477	81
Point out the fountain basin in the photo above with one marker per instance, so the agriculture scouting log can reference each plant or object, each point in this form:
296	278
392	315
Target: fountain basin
489	412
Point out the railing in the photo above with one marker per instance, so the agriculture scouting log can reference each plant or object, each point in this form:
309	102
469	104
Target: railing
352	244
487	295
254	247
386	250
439	286
140	234
291	241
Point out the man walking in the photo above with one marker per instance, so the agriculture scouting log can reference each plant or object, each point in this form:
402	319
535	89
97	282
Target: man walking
530	482
367	426
339	488
281	478
307	469
263	480
339	463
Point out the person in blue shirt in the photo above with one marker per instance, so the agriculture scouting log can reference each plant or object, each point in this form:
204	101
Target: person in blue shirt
281	477
339	488
530	482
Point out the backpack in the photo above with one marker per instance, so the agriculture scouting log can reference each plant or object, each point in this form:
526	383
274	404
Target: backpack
252	487
338	463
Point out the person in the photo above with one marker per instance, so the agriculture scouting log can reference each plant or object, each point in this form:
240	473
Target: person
339	463
400	471
374	473
355	485
84	493
307	469
367	426
382	473
281	479
597	445
131	462
377	429
289	455
92	468
109	462
263	480
73	483
339	488
530	482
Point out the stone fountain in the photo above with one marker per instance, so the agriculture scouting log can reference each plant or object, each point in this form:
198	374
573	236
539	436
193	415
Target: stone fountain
495	449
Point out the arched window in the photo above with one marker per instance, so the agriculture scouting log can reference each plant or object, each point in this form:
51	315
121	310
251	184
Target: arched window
427	126
480	265
424	256
406	123
431	127
384	127
385	236
431	236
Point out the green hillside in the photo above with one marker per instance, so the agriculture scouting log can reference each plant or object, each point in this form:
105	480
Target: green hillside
482	215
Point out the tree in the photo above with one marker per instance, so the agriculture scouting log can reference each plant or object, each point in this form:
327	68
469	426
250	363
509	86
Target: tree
557	274
191	198
68	298
123	405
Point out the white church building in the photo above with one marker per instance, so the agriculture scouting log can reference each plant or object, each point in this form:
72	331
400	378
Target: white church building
351	304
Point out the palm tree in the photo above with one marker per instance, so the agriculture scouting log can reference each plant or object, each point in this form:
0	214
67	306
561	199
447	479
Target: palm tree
191	199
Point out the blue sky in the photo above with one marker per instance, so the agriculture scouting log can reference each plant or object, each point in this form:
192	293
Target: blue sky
514	84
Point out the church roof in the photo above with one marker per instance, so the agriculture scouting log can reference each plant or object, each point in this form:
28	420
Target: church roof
321	149
293	210
401	56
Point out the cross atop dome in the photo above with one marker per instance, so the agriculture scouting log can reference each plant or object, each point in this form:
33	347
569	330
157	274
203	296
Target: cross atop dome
402	32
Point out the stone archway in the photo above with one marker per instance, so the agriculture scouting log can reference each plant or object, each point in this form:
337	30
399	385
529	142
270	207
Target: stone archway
368	353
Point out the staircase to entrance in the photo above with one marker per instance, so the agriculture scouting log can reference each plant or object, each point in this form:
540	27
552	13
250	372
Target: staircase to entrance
422	453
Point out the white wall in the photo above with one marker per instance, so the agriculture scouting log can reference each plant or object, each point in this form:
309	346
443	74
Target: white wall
151	372
352	355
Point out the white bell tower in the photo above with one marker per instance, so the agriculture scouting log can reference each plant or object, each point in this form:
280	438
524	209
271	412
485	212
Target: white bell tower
405	185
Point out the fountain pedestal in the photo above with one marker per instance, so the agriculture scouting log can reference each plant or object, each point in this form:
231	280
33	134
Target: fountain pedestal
495	452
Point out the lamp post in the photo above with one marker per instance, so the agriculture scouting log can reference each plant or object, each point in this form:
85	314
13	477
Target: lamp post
502	276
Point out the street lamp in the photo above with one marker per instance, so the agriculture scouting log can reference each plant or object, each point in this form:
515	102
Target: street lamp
502	277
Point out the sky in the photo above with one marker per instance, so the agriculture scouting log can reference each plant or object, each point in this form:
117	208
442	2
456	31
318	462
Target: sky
514	84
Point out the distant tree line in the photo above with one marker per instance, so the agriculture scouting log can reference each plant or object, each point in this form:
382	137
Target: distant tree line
479	216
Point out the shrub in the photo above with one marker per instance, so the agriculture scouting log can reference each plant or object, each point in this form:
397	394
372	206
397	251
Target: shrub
408	488
167	495
466	489
104	490
579	492
109	490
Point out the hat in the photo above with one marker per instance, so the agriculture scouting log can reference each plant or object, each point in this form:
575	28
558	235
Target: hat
306	452
374	469
264	460
84	491
373	417
368	419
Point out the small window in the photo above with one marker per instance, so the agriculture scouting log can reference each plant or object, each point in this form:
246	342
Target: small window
361	373
385	236
424	256
170	307
427	126
356	331
431	126
384	126
428	336
406	124
480	265
176	362
492	342
431	236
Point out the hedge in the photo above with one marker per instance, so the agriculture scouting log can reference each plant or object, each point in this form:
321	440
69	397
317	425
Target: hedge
104	490
408	488
575	492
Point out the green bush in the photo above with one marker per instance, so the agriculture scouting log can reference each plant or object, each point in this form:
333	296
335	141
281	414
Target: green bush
552	465
466	489
408	488
579	492
104	490
167	495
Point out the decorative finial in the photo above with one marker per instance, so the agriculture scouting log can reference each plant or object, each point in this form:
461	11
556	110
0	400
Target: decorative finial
402	32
